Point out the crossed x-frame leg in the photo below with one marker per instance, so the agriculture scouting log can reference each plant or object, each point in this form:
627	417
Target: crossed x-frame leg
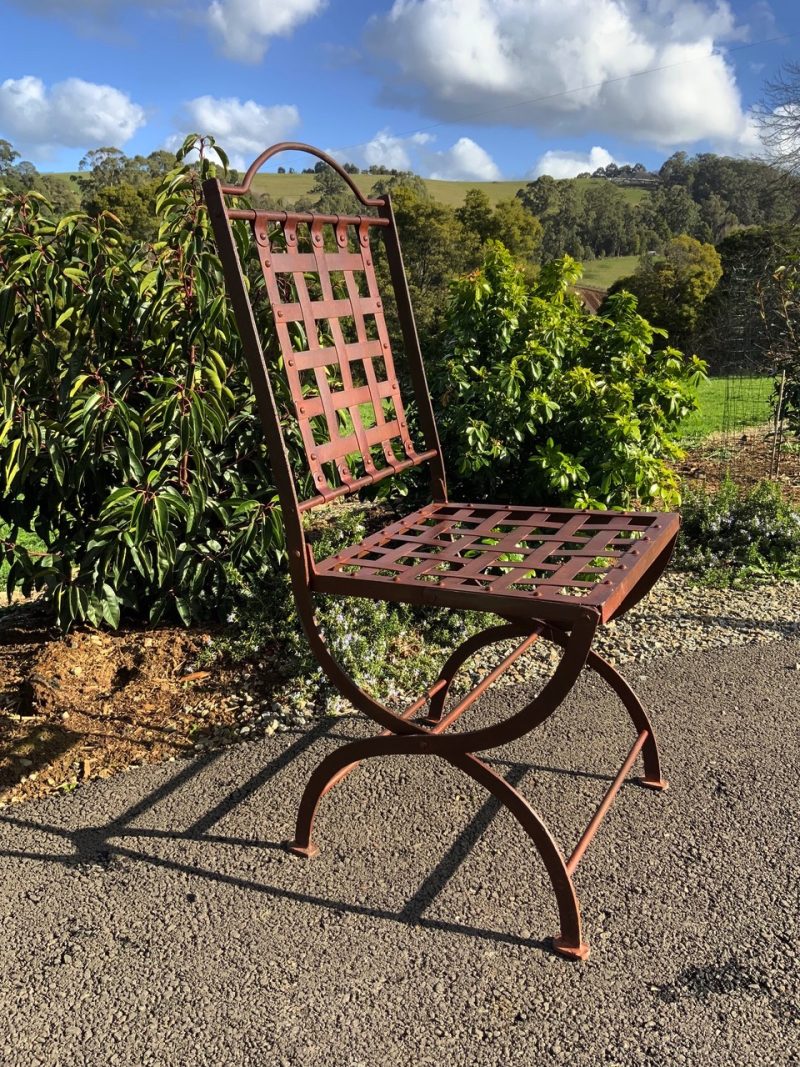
402	736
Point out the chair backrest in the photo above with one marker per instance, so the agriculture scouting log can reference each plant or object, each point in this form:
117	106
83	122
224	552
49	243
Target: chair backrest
332	339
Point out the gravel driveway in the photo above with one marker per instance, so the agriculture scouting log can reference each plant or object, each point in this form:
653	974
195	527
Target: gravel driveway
155	919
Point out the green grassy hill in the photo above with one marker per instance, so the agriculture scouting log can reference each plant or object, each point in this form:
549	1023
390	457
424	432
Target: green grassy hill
290	187
604	272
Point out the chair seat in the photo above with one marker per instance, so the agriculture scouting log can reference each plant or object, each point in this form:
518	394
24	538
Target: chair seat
521	562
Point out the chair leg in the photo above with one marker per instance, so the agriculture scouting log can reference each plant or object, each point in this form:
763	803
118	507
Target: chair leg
324	777
652	764
334	768
569	943
459	657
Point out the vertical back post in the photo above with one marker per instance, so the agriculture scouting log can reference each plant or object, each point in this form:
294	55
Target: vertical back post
408	326
259	376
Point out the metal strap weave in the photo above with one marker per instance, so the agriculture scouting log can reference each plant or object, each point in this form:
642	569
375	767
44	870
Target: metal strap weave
331	329
558	555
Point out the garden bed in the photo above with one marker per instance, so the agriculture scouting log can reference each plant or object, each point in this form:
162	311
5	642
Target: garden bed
745	457
94	703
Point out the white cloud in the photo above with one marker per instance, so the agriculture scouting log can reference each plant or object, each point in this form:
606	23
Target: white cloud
465	161
71	114
520	61
242	128
245	26
387	150
242	28
570	164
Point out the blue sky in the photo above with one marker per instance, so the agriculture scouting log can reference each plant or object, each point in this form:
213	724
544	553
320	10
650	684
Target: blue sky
470	89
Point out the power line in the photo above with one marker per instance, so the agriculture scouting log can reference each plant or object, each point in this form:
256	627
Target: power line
583	88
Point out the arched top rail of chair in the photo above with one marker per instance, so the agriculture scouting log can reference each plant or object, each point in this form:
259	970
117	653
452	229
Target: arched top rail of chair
296	146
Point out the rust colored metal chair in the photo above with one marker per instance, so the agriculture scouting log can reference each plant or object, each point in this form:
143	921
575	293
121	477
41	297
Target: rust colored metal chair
550	573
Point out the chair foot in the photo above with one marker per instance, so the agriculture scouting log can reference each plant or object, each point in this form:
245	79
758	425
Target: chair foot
308	852
568	951
660	784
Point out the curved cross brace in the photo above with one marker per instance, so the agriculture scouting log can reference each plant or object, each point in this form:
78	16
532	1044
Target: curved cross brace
550	632
459	657
569	942
639	717
407	738
533	714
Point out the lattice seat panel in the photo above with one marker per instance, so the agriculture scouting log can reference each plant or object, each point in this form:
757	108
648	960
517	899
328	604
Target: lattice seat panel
555	555
331	329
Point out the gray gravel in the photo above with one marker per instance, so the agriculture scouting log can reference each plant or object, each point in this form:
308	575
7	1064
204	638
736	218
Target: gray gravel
681	616
678	616
154	919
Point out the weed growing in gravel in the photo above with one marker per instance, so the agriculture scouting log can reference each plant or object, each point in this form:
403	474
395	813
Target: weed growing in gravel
736	537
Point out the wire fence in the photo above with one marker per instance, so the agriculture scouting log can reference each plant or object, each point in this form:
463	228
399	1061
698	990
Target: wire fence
740	433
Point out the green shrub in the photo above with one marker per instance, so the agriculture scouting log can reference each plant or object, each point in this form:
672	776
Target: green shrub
739	537
390	649
542	403
129	441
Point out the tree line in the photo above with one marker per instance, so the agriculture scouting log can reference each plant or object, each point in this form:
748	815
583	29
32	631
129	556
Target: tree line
746	208
706	197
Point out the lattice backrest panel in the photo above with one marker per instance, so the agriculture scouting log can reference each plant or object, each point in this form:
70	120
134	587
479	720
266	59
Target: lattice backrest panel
331	329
